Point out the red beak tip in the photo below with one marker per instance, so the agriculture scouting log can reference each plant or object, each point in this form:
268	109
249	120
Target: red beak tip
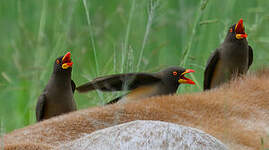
189	70
240	22
68	54
67	59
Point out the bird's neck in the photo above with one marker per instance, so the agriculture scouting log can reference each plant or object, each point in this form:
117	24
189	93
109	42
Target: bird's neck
171	85
229	38
235	46
62	78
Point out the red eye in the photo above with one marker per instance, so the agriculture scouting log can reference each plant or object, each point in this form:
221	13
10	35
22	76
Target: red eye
231	30
57	61
174	73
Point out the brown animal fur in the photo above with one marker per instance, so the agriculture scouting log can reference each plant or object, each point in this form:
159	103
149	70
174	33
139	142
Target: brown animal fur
237	114
27	146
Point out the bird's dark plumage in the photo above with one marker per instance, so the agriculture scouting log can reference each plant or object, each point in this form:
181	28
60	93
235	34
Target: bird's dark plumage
119	82
141	84
250	56
211	65
40	107
57	97
232	58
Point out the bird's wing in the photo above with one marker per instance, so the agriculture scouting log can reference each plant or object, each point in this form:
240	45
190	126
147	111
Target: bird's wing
119	82
40	107
250	56
73	85
210	68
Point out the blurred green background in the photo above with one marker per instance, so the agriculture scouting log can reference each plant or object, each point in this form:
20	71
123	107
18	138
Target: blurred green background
107	37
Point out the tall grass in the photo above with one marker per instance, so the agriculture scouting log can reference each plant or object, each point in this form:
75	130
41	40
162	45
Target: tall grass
152	8
112	37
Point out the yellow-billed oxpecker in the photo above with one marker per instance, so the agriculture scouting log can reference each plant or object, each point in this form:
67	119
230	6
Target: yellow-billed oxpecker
57	97
233	58
140	85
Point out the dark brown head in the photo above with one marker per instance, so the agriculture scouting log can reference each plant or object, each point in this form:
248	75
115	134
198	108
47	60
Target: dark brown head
174	76
63	64
237	32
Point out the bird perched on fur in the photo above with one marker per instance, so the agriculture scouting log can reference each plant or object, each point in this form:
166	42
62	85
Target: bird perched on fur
57	97
141	85
231	59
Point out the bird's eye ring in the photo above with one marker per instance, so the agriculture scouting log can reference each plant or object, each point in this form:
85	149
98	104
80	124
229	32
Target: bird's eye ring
57	61
174	73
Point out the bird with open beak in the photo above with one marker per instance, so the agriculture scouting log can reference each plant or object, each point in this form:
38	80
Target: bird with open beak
57	97
140	85
231	59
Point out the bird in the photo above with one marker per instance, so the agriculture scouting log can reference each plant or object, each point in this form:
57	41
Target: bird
140	85
57	97
231	59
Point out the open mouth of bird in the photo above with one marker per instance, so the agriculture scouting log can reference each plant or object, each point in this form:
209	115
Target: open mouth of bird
185	80
66	61
240	30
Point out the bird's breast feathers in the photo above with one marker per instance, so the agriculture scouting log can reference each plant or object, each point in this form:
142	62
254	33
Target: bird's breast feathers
141	92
